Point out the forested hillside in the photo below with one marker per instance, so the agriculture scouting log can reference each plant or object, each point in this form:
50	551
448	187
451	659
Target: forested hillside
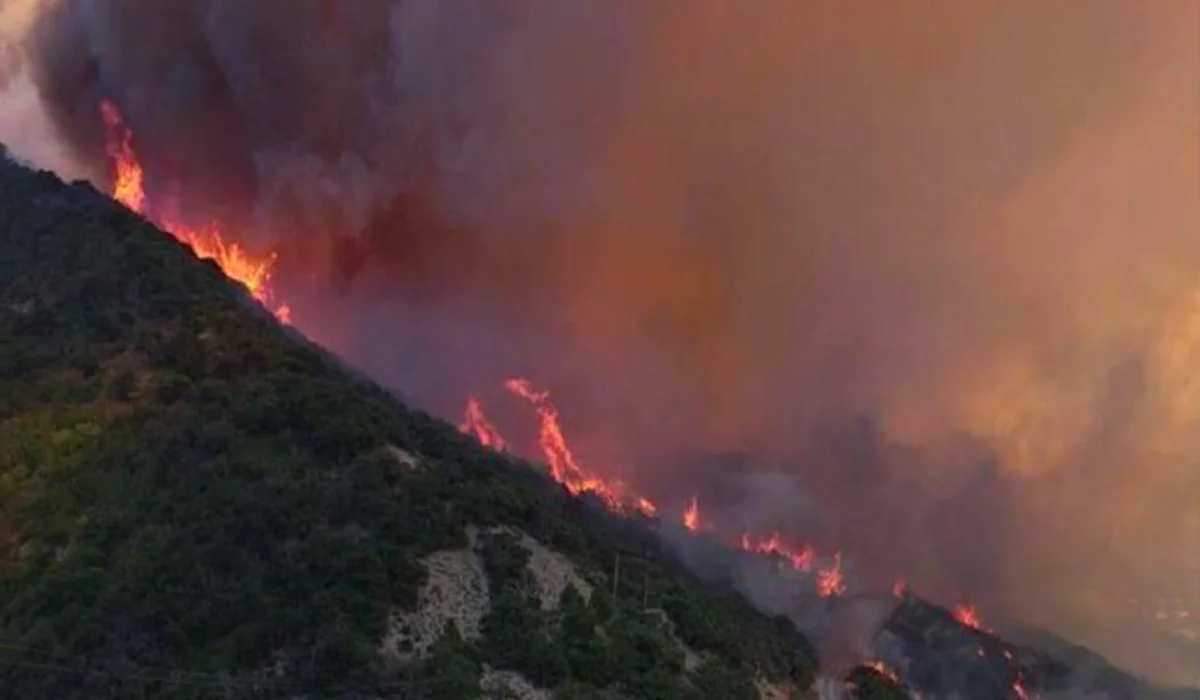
196	502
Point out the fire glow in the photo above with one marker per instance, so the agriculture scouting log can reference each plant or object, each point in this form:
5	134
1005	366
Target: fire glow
566	469
255	273
207	243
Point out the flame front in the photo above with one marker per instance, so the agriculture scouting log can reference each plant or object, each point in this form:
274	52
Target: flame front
567	470
207	243
564	467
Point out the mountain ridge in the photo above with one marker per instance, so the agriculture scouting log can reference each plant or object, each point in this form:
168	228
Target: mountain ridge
196	500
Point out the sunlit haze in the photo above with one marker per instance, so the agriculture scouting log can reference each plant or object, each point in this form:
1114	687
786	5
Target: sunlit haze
921	279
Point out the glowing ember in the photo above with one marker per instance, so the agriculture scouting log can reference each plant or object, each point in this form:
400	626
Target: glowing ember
477	425
691	516
899	588
207	244
967	615
829	581
881	669
1018	684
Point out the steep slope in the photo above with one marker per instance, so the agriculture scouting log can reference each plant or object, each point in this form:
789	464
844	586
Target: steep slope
195	502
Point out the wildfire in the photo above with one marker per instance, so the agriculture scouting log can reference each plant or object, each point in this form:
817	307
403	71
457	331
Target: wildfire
567	470
564	467
475	423
1018	684
127	180
691	516
207	243
967	615
800	558
830	582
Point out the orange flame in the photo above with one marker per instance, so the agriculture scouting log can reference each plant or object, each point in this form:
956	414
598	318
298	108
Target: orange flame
691	516
567	470
800	558
564	467
127	180
206	243
966	614
830	582
476	424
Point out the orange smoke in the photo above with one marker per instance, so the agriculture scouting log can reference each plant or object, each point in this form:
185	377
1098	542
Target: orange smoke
207	243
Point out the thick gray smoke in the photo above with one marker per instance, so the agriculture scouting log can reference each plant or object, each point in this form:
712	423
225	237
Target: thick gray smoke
936	262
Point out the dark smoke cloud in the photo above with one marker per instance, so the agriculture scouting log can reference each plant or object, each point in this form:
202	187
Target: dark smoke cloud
937	263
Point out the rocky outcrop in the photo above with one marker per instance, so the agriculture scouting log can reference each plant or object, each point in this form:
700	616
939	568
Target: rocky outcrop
455	592
506	685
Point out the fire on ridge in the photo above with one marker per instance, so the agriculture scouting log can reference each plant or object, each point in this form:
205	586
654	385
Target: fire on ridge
829	582
207	242
255	273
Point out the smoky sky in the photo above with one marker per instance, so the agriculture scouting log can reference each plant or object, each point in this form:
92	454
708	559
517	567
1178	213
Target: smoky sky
937	264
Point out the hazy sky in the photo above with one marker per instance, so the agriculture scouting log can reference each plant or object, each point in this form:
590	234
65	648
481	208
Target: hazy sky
715	225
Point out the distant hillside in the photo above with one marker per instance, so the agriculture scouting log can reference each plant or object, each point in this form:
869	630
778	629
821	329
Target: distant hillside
196	502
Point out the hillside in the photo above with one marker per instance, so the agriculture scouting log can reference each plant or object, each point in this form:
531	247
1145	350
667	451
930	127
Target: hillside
196	502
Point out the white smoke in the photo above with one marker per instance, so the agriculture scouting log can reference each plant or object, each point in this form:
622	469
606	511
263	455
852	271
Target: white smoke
25	128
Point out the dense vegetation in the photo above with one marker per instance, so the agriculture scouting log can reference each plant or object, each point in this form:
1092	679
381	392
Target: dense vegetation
195	502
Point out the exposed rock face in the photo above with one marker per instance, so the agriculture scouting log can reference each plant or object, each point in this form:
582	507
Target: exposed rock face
456	592
550	572
507	685
406	460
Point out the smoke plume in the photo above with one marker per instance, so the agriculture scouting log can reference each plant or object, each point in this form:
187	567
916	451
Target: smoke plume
936	264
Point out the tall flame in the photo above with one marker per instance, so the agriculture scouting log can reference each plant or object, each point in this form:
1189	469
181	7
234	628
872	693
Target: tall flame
127	180
477	424
207	243
564	467
691	516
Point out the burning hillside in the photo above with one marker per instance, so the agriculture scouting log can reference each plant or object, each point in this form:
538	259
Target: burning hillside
207	243
938	293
